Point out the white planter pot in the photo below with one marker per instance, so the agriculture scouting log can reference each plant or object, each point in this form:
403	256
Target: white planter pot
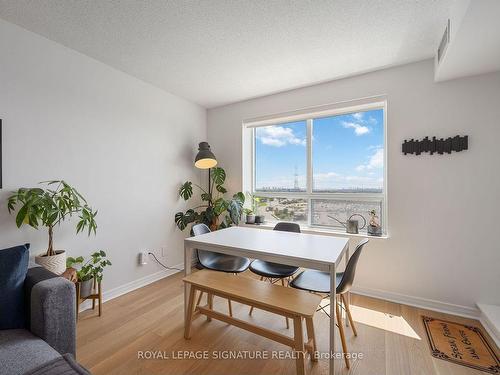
54	263
250	219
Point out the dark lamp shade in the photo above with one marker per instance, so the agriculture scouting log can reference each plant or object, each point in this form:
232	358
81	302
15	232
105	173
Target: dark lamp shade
205	159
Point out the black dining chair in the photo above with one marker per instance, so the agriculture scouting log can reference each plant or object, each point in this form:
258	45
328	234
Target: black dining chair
319	282
274	271
217	261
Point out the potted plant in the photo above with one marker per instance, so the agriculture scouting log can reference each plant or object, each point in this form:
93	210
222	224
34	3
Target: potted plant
255	204
214	204
49	207
250	216
91	271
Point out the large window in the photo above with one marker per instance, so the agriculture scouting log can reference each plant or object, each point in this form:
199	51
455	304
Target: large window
320	167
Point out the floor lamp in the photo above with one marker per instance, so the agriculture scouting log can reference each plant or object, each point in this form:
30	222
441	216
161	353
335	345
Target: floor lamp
205	159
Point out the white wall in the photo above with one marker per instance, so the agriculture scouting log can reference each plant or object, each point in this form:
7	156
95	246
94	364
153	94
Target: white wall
443	209
124	144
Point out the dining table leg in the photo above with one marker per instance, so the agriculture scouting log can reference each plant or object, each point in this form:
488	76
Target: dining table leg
188	256
333	301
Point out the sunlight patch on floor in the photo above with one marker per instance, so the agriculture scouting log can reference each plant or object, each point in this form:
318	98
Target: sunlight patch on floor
387	322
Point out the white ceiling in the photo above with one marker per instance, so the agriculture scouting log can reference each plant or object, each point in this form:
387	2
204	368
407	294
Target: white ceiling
215	52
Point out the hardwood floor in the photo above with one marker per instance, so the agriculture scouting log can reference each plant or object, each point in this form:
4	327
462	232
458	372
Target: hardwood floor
391	339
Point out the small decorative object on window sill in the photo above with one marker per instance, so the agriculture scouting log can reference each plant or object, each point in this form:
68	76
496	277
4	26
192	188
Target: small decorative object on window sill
250	218
351	225
374	227
457	144
260	219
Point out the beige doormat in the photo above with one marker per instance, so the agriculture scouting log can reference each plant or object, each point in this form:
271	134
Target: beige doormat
461	344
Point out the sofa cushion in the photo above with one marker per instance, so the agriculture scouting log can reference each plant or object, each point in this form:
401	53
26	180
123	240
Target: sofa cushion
22	351
13	268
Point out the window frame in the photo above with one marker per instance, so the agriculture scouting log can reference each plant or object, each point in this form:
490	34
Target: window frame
308	115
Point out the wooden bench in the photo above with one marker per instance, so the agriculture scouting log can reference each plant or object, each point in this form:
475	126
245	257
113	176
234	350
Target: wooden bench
291	303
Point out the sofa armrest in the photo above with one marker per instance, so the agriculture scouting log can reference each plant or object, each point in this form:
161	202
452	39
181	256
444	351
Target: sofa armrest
51	309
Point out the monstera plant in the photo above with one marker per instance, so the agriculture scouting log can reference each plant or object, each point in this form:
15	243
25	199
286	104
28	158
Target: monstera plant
216	211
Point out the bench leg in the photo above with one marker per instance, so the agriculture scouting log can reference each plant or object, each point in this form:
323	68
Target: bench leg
342	335
286	318
210	300
348	310
312	337
230	307
298	337
199	298
251	308
189	317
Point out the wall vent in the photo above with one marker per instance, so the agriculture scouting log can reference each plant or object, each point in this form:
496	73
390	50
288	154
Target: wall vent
445	40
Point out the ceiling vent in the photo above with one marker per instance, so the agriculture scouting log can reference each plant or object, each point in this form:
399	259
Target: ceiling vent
443	45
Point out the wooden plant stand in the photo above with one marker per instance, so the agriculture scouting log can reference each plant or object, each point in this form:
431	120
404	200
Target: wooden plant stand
95	295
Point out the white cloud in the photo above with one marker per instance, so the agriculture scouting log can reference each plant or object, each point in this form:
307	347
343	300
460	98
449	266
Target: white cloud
325	176
358	116
376	161
358	129
278	136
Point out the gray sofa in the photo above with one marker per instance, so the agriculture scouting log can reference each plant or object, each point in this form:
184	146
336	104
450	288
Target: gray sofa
51	325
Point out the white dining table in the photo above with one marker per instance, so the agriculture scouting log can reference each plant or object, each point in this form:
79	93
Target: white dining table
314	251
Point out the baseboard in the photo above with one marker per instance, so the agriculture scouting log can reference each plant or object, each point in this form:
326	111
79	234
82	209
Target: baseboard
133	285
489	326
423	303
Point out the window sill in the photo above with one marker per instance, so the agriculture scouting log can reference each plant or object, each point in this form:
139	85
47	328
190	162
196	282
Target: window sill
317	230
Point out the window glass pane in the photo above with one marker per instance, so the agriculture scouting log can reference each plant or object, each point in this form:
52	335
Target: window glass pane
348	153
284	209
341	210
280	157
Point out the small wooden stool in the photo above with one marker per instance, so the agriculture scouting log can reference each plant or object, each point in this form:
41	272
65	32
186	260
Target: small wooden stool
95	295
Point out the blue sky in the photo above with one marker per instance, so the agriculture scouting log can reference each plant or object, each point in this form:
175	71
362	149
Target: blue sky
347	152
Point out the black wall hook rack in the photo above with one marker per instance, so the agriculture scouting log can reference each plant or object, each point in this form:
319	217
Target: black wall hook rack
434	145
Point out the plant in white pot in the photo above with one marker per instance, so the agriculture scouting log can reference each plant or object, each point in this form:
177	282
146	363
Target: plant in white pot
49	207
90	272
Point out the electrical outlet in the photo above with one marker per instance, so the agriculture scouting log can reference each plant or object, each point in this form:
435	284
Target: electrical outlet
143	258
163	251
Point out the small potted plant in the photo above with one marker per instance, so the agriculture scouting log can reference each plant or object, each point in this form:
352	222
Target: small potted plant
252	212
250	216
91	271
49	207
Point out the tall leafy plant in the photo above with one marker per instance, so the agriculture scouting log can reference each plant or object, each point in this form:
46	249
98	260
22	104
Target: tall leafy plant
51	206
215	211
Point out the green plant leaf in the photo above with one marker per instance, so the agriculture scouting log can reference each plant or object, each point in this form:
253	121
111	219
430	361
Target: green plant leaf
21	215
220	205
180	220
236	207
221	189
218	175
240	196
206	197
186	190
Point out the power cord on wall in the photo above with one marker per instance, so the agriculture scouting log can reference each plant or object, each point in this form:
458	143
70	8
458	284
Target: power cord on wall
164	266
